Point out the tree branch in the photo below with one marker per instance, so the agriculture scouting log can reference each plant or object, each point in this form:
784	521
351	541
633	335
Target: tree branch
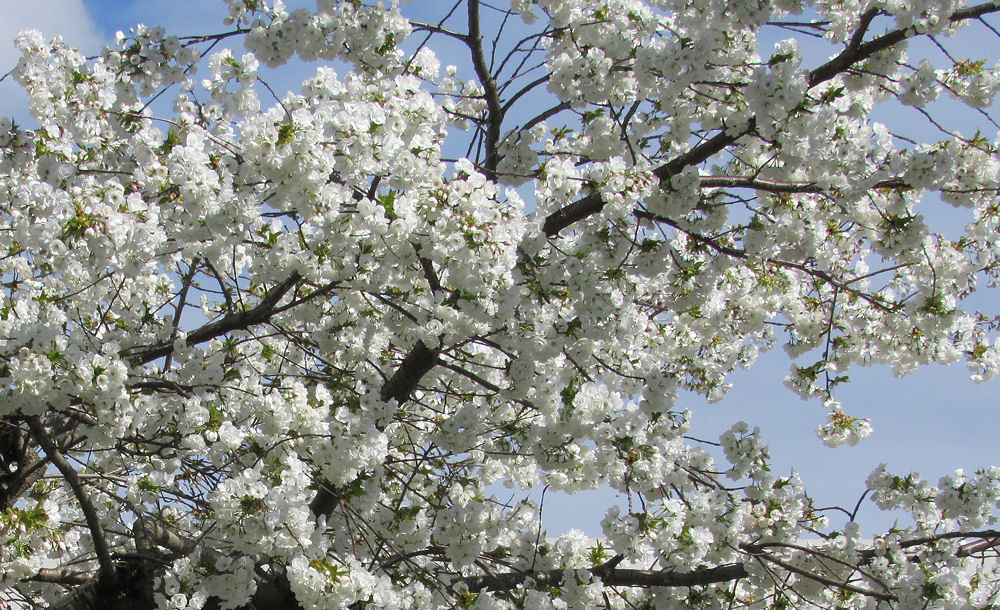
737	253
494	110
149	534
21	464
61	576
776	186
186	282
89	512
856	51
829	582
614	577
415	365
237	321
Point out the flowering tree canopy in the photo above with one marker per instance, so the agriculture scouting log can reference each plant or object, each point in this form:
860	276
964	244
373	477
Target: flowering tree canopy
265	350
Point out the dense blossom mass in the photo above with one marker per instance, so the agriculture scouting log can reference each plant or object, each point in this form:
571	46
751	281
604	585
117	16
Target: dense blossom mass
264	350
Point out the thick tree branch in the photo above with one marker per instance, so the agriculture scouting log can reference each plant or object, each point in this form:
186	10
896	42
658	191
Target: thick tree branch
617	577
776	186
980	545
20	464
30	469
494	110
857	51
238	321
89	512
415	365
62	576
612	576
132	589
149	534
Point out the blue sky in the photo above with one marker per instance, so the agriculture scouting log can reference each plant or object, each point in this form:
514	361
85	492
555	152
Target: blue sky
932	422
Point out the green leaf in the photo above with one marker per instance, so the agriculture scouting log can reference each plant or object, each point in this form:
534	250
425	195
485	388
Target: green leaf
388	202
286	132
777	58
173	139
967	67
388	45
831	94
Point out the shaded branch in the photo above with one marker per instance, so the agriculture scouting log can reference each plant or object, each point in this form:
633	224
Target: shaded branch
89	512
236	321
428	268
614	577
155	385
776	186
21	464
149	534
494	116
61	576
415	365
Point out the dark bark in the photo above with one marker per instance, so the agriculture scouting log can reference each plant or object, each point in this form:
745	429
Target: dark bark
133	590
417	363
130	588
611	578
495	111
20	464
237	321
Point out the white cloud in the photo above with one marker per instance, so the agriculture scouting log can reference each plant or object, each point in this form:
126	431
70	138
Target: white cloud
66	18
